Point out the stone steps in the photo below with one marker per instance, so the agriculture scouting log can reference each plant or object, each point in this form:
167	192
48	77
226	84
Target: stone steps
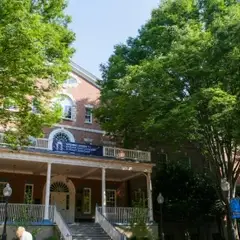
88	231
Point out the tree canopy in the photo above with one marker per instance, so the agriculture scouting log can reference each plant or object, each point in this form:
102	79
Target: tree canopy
35	49
178	81
189	196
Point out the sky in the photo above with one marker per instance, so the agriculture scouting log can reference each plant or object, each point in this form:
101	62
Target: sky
101	24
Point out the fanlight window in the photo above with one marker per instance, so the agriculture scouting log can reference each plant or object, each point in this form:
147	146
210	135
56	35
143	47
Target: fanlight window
59	139
71	81
59	187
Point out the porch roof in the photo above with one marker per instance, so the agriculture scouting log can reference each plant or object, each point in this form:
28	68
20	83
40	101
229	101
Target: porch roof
86	167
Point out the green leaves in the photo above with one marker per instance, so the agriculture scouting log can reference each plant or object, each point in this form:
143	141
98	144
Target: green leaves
188	196
35	49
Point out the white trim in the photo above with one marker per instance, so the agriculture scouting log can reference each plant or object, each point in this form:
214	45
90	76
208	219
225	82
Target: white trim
104	191
90	115
87	140
81	129
85	74
47	192
59	130
90	200
149	193
72	193
88	106
66	94
29	184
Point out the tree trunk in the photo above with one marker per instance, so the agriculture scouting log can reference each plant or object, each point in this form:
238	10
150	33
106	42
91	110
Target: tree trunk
231	226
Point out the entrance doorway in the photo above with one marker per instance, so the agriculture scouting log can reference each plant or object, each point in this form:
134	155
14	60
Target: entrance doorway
63	197
60	198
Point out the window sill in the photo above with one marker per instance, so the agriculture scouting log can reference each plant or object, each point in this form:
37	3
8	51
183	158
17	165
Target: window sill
88	122
68	119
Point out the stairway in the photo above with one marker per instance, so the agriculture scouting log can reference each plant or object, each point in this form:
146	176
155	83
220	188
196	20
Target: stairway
87	231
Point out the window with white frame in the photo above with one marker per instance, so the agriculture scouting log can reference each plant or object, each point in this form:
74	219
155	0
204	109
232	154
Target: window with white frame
111	198
67	106
87	200
28	193
2	186
88	114
70	82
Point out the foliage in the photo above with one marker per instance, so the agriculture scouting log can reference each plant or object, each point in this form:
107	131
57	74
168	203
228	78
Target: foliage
35	49
178	81
24	217
138	221
189	196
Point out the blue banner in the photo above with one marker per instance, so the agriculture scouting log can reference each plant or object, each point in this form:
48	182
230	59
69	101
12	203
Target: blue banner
77	149
235	207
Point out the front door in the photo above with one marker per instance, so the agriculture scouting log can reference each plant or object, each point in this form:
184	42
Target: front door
61	200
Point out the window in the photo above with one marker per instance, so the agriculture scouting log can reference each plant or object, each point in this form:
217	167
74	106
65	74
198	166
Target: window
67	106
87	200
111	198
88	115
28	193
2	186
71	82
59	139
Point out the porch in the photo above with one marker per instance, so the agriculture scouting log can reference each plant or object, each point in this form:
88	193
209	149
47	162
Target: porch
74	184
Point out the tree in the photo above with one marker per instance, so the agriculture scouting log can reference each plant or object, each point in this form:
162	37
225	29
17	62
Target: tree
190	197
35	49
179	83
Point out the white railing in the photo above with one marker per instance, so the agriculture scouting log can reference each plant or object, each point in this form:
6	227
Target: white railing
113	152
121	153
62	226
108	227
41	143
32	213
125	215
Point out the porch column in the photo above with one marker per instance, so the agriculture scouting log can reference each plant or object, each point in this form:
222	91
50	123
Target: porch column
104	191
149	191
47	193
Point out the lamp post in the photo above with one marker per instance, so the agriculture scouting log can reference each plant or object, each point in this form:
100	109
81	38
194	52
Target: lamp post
160	200
7	192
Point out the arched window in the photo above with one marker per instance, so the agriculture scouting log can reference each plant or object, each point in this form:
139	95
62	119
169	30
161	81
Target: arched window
68	106
70	82
58	137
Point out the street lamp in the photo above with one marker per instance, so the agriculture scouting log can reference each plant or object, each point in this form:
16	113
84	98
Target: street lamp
160	200
7	192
